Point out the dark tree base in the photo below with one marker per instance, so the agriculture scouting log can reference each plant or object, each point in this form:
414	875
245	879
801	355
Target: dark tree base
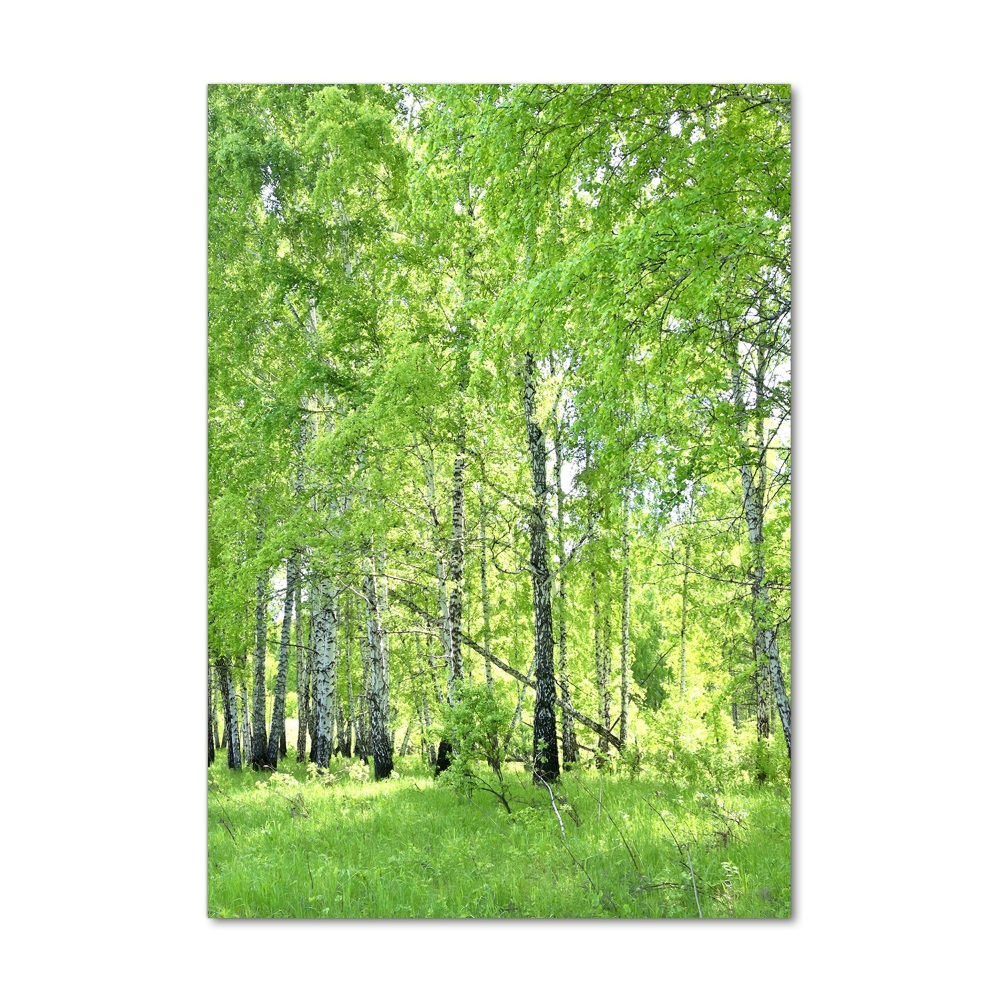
443	760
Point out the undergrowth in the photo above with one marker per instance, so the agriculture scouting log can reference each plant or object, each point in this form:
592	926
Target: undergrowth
597	844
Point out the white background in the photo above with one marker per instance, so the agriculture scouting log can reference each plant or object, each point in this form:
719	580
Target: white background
895	552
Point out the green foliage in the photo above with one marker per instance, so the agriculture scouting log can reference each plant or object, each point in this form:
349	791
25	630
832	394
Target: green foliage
380	258
411	848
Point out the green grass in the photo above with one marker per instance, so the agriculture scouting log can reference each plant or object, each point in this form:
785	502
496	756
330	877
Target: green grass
286	845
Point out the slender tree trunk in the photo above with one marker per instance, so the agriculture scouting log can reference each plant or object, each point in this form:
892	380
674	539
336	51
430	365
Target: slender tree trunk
347	748
626	595
456	565
245	731
344	718
362	746
446	606
325	627
302	664
520	678
484	589
431	751
258	750
211	717
571	751
545	752
227	691
277	735
765	643
381	740
684	607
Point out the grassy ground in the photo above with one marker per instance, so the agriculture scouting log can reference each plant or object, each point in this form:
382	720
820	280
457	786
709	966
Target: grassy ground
286	845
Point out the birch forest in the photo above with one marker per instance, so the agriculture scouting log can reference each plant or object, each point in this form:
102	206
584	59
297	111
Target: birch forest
499	510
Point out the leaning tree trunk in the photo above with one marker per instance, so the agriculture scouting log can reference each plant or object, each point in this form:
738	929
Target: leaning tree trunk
545	752
277	736
381	740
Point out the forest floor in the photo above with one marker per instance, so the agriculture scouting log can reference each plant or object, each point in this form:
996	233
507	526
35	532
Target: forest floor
291	844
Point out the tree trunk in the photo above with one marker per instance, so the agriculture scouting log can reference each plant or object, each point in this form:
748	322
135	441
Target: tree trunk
571	751
626	667
245	730
684	607
765	643
362	746
456	566
381	741
545	752
584	720
302	665
326	651
227	691
277	736
484	589
258	749
211	718
347	746
603	696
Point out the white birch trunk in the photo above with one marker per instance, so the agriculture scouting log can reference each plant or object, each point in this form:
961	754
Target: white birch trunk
545	750
626	605
381	738
258	750
484	589
765	644
571	752
325	628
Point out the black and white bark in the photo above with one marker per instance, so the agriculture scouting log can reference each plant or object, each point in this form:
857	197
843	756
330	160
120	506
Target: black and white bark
484	589
258	748
362	743
346	718
626	605
684	612
325	638
227	692
277	734
456	565
378	652
570	748
302	665
600	673
348	737
211	717
521	678
545	752
245	730
753	470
